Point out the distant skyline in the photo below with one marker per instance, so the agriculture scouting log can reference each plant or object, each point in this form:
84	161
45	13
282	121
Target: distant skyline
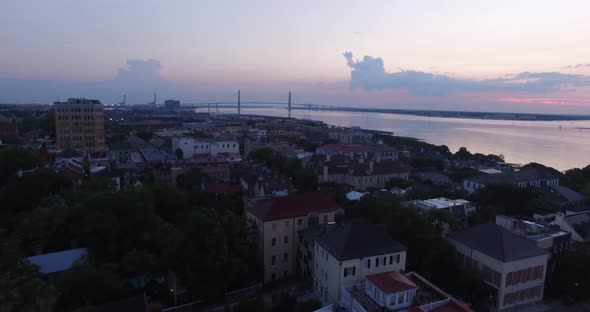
512	56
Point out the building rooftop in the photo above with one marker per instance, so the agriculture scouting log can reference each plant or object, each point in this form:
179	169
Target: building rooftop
524	175
57	261
358	239
497	242
295	205
391	282
580	222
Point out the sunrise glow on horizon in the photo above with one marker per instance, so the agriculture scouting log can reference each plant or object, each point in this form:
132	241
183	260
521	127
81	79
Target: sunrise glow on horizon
457	55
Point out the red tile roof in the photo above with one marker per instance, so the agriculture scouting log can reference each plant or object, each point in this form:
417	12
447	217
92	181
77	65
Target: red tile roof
295	205
391	282
452	306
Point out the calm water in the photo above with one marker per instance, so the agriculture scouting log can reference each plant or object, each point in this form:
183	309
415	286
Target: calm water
519	141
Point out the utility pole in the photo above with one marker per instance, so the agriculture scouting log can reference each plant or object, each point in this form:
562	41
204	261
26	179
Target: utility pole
239	108
289	104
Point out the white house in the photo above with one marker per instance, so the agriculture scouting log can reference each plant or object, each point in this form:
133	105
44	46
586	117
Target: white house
345	254
192	147
527	177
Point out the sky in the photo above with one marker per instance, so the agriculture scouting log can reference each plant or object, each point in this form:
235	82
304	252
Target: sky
514	56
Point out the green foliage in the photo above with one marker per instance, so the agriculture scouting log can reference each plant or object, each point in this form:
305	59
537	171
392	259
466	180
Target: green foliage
420	162
32	121
10	139
179	153
507	199
269	157
252	305
14	159
21	285
305	180
571	280
23	194
87	285
457	175
401	183
577	179
191	179
308	306
209	246
130	234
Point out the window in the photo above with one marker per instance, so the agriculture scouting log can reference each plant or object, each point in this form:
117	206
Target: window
397	258
390	260
509	279
385	260
349	271
299	221
286	239
272	277
376	262
285	257
273	260
368	263
325	219
400	299
273	241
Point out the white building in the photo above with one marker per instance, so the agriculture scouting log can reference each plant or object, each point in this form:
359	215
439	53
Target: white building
578	224
459	208
192	147
514	268
527	177
393	291
347	253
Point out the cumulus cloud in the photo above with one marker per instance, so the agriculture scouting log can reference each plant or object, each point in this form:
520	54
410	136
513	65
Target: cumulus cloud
369	74
139	80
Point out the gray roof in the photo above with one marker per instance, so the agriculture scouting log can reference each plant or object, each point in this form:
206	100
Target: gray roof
524	175
57	261
152	154
497	242
580	222
358	239
569	194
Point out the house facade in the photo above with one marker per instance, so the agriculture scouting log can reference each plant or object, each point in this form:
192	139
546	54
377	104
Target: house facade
527	177
276	223
514	268
348	253
192	147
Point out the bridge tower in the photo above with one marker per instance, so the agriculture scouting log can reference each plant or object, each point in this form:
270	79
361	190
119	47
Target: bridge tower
289	104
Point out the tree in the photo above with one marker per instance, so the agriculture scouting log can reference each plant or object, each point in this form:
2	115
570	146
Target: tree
305	180
209	252
87	285
179	153
191	179
14	159
21	285
571	280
